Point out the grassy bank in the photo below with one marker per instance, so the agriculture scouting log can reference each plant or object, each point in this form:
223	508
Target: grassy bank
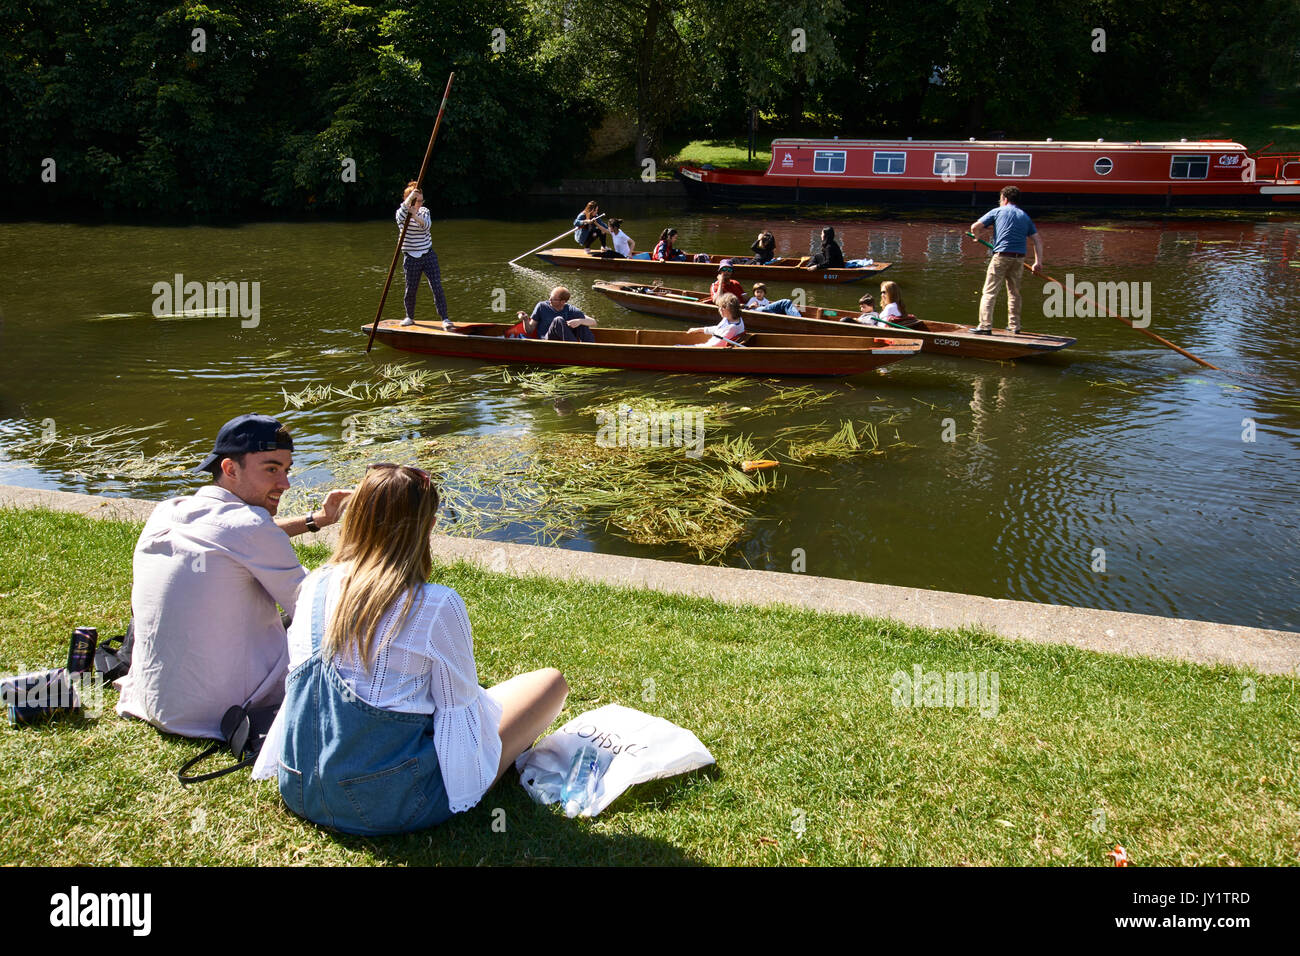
1182	764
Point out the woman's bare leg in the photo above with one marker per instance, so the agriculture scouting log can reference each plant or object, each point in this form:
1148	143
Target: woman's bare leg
529	702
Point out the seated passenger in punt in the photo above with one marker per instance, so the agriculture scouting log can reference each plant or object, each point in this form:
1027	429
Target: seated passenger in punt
893	310
666	249
759	302
587	227
624	245
724	284
555	319
830	256
764	248
729	329
759	299
867	313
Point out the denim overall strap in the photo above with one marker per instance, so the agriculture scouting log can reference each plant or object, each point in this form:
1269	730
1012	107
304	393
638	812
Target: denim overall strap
350	765
318	611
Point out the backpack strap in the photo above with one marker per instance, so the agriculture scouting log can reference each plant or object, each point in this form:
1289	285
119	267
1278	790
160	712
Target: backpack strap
236	728
113	655
214	749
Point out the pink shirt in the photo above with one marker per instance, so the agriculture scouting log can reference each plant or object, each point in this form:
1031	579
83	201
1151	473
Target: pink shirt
207	574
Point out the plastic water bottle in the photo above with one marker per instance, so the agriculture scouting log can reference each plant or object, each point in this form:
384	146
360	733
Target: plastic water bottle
580	783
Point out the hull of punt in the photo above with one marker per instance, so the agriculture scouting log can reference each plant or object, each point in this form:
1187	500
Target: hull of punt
779	269
652	350
938	338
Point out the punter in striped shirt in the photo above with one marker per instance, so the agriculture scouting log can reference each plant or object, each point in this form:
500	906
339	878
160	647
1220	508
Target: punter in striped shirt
419	258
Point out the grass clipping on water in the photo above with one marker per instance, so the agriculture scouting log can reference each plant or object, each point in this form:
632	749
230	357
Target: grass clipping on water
553	484
683	489
687	492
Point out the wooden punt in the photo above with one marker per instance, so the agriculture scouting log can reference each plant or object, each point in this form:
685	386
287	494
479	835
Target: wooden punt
787	269
939	338
762	353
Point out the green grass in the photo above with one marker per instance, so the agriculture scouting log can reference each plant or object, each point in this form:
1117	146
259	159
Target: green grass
729	153
796	707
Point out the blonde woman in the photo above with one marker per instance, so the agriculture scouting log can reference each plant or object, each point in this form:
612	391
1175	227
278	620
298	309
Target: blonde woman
384	727
892	308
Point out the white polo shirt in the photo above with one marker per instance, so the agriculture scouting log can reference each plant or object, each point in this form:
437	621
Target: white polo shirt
207	574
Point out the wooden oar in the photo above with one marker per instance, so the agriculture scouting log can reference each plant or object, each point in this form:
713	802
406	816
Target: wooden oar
548	242
1118	318
419	187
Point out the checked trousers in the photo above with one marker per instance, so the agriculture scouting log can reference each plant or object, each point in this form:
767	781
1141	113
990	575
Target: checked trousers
426	265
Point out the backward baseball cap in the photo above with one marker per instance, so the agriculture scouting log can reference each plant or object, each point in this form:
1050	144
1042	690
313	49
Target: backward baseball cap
243	434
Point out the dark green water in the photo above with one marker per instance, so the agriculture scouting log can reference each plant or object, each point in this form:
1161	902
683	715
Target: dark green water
1115	444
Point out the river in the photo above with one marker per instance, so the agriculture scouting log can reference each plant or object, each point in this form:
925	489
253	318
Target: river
1115	474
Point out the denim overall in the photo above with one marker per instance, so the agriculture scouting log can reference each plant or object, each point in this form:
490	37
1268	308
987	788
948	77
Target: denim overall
349	765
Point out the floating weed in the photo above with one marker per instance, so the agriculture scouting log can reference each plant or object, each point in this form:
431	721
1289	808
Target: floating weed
848	441
554	383
1117	384
115	453
548	486
727	385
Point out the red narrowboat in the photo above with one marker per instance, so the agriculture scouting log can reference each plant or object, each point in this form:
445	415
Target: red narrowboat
1200	173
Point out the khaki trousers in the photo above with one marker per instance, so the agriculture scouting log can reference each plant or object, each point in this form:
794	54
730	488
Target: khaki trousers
1008	269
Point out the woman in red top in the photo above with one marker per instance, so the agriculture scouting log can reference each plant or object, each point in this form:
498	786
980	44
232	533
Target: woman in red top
664	250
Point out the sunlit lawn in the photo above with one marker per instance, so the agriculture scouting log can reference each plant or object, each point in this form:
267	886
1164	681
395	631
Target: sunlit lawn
1182	764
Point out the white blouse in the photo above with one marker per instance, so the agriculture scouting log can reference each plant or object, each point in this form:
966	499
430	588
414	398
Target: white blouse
725	331
425	668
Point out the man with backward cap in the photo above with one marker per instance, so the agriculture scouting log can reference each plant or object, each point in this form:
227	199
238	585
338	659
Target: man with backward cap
207	574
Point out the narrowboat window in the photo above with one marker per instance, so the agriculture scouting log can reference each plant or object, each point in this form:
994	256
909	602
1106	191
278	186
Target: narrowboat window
950	164
1189	167
1014	164
1102	166
892	163
828	161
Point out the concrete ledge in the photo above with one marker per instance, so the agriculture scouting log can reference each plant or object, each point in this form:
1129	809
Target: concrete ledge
1114	632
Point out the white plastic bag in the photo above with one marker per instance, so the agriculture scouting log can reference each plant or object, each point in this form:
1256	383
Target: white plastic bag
633	747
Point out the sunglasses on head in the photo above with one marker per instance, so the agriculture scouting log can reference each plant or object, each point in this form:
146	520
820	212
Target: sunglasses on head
425	480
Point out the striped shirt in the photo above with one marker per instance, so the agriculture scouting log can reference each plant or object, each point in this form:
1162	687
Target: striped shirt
418	240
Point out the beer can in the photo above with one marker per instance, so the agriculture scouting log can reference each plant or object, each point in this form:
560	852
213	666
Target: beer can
81	649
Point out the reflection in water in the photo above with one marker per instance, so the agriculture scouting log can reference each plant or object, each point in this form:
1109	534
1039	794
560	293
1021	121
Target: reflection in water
1114	474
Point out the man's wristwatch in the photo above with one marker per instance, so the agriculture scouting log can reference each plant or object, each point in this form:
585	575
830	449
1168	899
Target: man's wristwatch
310	521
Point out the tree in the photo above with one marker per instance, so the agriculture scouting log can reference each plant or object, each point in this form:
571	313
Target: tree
665	60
